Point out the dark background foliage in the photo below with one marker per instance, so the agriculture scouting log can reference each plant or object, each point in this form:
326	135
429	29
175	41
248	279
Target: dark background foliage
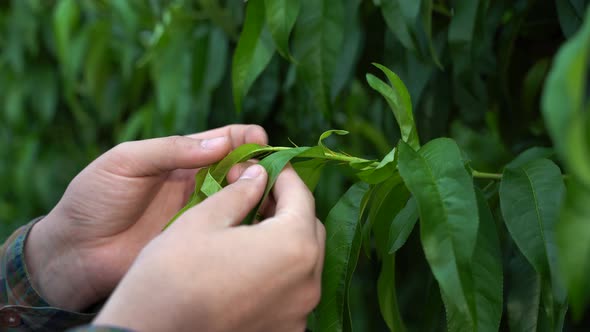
77	77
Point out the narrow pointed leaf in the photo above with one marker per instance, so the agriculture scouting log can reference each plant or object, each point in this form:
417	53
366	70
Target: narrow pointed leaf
384	170
310	171
530	197
394	197
253	52
410	21
317	41
342	250
280	18
387	294
238	155
523	303
387	200
398	99
402	225
395	13
196	197
487	270
210	185
448	220
329	133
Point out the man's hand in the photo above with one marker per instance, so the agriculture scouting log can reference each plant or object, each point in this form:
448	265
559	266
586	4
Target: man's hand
79	252
207	273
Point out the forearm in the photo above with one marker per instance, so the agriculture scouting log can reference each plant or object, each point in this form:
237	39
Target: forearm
21	306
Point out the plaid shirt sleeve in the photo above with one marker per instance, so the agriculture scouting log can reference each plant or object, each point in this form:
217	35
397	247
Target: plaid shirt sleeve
21	307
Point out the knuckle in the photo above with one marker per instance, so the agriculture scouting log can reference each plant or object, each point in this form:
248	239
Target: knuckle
119	154
246	192
121	148
177	141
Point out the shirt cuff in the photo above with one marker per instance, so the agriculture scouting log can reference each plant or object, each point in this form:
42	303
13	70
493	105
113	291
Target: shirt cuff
22	307
95	328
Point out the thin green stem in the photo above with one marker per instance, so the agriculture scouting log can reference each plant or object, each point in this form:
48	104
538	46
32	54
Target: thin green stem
330	156
496	176
484	175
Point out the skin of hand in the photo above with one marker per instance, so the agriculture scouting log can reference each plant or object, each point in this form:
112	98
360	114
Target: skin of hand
208	273
78	253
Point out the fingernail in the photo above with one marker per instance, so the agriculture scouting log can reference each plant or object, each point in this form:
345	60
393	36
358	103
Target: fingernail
213	143
252	172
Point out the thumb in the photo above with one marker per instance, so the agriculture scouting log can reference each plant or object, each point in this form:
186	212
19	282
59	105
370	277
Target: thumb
232	204
159	155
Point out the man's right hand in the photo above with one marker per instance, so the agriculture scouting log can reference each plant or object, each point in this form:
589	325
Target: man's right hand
208	273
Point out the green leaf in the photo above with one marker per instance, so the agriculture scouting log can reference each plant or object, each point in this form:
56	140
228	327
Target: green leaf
253	52
387	294
329	133
487	270
210	185
573	240
570	14
464	41
447	204
317	42
216	59
398	99
529	155
310	171
402	225
65	19
384	170
533	85
134	125
564	103
196	197
486	273
462	27
342	250
523	303
400	17
240	154
387	200
530	198
410	21
280	18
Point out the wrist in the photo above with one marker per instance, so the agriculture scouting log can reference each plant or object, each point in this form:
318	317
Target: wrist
54	268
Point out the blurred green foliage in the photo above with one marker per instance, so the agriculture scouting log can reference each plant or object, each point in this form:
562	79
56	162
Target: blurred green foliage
79	76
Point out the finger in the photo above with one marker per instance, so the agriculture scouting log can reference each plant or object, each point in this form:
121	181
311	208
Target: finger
232	204
293	197
267	208
236	171
321	236
159	155
238	134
